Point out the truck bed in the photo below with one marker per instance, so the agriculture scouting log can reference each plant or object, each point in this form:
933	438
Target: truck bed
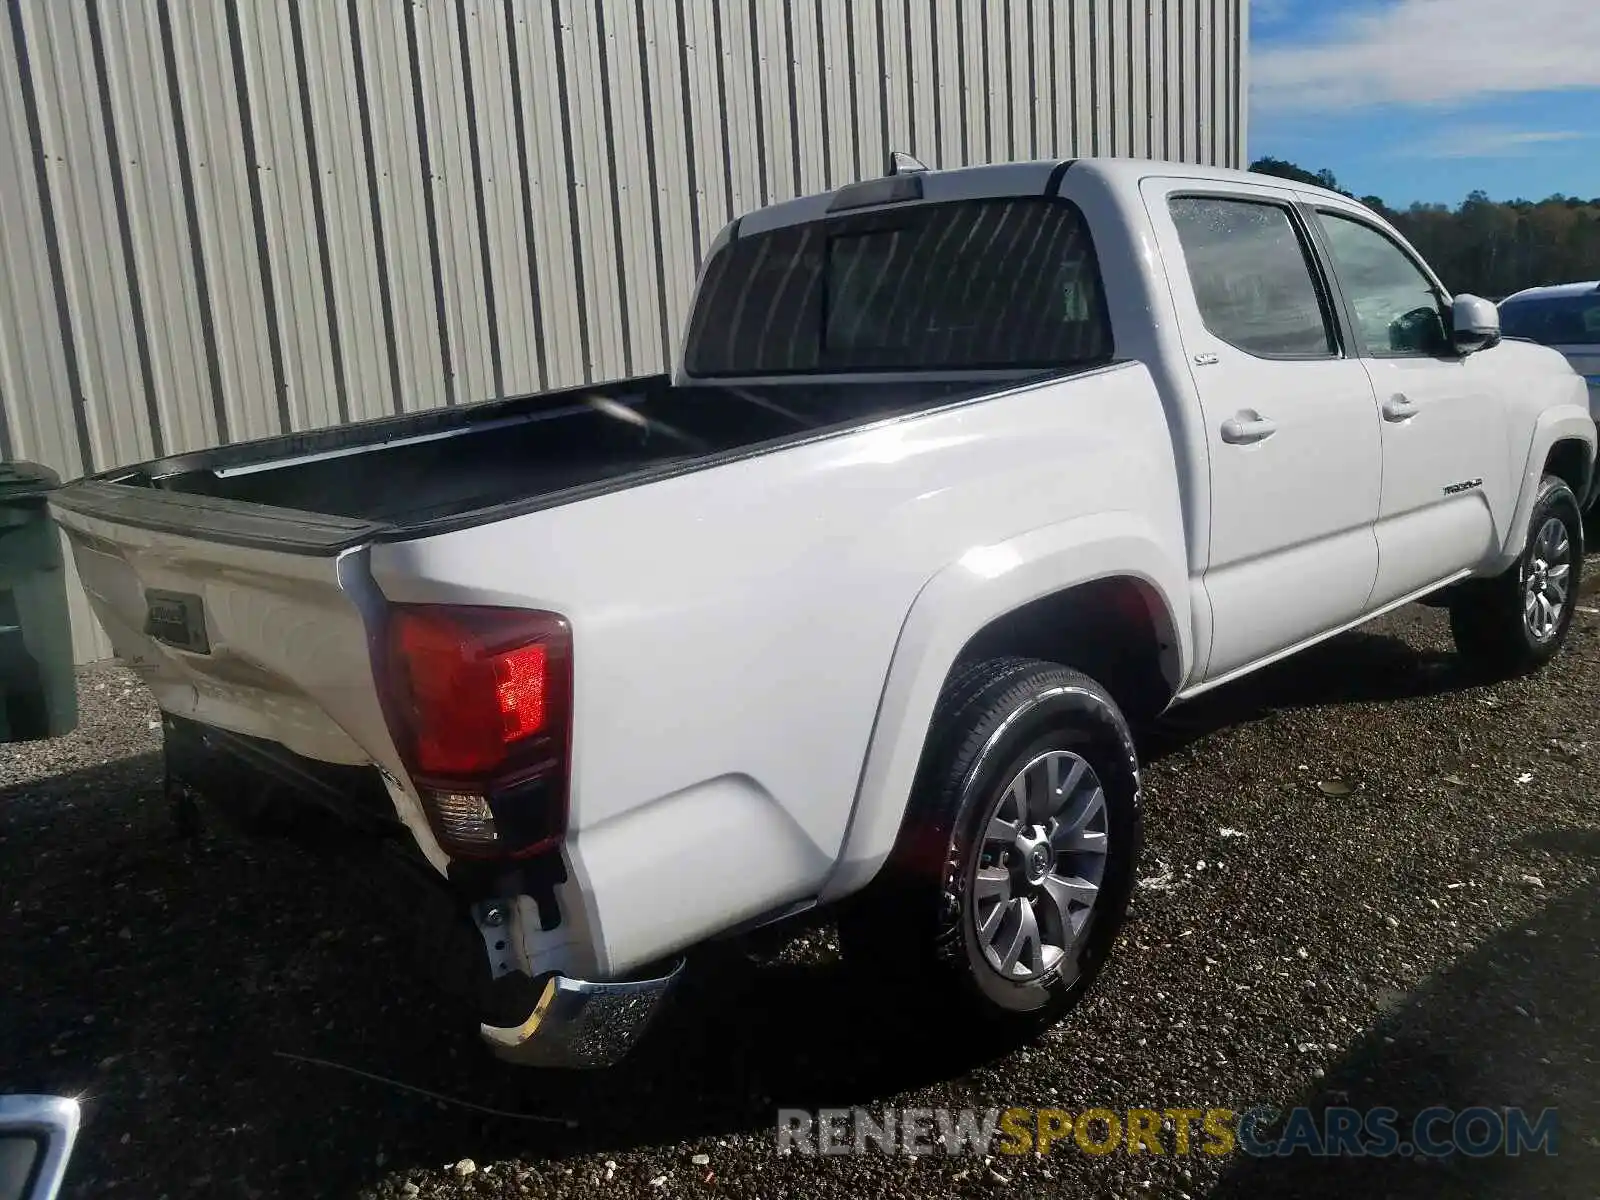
428	472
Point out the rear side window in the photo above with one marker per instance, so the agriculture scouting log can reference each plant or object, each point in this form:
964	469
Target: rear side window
1252	278
1553	320
972	284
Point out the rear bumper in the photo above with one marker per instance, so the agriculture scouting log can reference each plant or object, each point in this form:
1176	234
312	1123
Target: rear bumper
578	1024
344	816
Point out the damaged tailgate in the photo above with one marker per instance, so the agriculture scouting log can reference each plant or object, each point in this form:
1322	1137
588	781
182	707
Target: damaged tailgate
241	617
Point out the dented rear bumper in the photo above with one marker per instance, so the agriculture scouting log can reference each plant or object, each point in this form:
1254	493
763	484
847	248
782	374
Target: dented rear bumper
343	814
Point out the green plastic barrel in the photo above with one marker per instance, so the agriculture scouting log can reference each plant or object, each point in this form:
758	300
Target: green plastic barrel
38	693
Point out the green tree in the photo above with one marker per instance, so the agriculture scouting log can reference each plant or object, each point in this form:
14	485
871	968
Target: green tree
1285	170
1489	247
1288	170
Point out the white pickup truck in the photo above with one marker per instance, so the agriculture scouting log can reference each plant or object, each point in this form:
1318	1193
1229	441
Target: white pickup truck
959	472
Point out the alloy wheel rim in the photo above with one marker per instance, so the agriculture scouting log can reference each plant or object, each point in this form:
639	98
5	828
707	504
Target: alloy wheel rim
1040	867
1545	580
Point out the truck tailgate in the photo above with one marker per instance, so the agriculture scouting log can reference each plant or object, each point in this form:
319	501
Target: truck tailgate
263	642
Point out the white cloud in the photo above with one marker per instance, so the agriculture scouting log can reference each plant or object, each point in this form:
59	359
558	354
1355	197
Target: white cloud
1490	141
1268	11
1431	52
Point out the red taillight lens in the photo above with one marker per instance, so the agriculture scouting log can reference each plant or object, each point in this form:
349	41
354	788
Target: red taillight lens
519	677
468	695
479	700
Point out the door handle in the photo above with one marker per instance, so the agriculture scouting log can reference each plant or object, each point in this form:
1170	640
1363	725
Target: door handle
1246	427
1398	408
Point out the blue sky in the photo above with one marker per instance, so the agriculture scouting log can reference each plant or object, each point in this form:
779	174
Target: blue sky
1429	99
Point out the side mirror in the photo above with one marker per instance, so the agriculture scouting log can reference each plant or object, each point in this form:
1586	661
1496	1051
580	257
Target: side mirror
36	1136
1476	324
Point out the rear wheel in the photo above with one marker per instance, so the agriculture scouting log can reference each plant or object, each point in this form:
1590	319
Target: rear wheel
1016	857
1515	622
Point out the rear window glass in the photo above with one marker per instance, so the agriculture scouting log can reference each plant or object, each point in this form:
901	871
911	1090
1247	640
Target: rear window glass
973	284
1553	320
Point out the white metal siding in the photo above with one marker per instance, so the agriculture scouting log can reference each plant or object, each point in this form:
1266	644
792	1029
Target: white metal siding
229	219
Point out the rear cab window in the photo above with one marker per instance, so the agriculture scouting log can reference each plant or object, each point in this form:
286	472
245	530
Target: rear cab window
982	284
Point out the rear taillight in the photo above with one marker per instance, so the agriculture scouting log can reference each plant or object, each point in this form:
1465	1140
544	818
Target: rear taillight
480	703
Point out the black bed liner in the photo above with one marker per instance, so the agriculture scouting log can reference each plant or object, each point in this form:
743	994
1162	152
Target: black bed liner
431	472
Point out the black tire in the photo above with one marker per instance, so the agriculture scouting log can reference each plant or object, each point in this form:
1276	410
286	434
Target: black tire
1487	617
994	718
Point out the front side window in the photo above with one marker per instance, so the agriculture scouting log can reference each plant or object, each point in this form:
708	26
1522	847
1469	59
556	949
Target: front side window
971	284
1397	307
1252	277
1553	320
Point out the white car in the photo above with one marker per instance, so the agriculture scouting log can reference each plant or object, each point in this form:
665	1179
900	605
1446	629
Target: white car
1565	317
957	473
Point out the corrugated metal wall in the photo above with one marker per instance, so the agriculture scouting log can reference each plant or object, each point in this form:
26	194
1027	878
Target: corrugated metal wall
223	220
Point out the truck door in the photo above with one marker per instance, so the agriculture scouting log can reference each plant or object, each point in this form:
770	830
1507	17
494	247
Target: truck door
1290	420
1447	484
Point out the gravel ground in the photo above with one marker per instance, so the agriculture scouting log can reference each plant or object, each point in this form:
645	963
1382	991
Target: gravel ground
1367	881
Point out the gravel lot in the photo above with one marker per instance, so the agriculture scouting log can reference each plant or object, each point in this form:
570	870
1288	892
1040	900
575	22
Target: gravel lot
1429	935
